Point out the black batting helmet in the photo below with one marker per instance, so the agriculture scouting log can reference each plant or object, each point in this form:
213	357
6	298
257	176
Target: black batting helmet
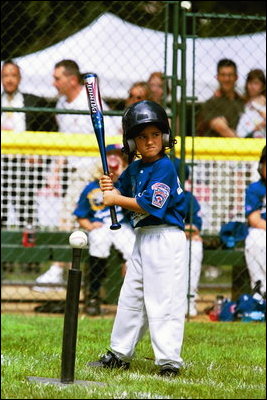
137	116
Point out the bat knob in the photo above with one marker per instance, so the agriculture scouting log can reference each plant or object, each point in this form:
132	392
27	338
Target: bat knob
116	226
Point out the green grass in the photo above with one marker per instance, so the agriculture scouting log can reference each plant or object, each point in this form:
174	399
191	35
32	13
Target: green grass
222	361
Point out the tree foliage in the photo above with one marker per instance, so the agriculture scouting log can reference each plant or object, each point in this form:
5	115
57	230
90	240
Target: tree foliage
29	26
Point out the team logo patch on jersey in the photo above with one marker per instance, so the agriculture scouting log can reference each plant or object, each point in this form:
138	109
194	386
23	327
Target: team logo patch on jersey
161	192
95	198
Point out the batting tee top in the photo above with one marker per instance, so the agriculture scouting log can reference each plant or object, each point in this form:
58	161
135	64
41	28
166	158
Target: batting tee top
157	190
90	205
255	198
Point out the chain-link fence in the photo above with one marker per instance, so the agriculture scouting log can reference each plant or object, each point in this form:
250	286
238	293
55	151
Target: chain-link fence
44	173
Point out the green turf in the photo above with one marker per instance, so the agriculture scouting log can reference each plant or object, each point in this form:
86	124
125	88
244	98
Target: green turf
222	361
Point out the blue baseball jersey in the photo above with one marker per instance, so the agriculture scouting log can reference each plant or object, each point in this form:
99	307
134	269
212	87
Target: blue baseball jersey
255	198
157	190
196	217
90	205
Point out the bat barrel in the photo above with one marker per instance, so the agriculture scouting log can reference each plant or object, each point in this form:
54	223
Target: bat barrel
95	106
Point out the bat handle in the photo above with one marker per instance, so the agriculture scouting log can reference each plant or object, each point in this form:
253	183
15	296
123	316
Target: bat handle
115	224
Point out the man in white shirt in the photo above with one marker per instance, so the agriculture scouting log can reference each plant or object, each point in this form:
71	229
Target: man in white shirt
21	175
69	83
19	183
12	97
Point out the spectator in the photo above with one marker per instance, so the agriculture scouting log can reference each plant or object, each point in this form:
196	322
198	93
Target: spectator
220	114
68	81
154	290
156	84
12	97
137	92
252	122
255	243
18	180
52	208
94	217
193	227
20	176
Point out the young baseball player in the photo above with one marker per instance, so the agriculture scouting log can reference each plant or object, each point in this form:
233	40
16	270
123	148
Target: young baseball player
153	294
255	243
94	217
193	226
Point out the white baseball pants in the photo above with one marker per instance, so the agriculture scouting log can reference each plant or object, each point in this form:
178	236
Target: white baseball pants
101	239
153	295
195	261
255	252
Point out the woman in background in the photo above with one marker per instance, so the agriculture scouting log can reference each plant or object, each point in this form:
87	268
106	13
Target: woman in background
252	123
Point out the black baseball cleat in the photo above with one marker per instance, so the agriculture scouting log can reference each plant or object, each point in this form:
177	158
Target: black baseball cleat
109	360
92	307
169	371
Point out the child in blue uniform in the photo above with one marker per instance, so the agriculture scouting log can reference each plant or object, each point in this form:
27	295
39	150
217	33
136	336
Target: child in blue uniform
193	226
94	217
255	243
153	294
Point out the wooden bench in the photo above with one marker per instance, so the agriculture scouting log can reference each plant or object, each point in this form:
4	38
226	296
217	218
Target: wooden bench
49	246
216	254
55	246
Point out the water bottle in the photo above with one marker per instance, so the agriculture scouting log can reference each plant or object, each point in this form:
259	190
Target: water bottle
230	244
215	312
253	316
29	235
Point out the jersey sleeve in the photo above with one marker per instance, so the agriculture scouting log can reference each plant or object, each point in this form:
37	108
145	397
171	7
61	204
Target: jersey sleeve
125	183
253	200
83	208
196	217
121	183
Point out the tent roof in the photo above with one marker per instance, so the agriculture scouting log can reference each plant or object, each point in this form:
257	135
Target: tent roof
122	53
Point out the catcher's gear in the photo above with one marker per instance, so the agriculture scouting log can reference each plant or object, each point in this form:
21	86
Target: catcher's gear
137	116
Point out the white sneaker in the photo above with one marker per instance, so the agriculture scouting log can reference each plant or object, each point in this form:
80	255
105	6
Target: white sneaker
53	275
192	312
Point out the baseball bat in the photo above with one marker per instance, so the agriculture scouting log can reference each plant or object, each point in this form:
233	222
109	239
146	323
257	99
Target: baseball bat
95	107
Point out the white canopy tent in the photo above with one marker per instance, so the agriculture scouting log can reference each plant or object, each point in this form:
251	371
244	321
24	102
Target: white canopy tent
122	53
